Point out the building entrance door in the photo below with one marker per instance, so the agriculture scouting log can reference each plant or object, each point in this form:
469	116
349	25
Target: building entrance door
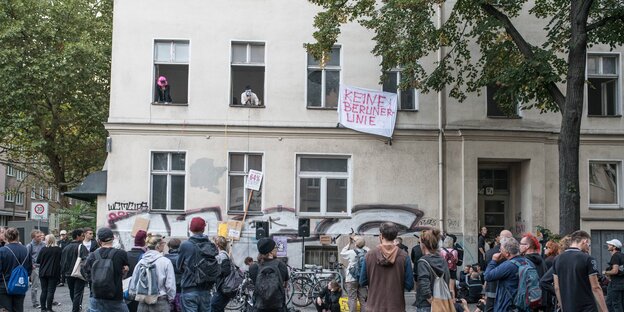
494	200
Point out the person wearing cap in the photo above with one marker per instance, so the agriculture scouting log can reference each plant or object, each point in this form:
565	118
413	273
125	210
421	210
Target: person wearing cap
195	295
133	258
248	97
164	272
267	256
119	259
62	242
615	291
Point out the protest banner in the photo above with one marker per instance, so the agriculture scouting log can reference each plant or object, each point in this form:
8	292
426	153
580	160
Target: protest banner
368	111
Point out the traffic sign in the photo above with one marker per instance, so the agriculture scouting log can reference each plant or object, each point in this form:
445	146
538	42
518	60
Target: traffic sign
39	211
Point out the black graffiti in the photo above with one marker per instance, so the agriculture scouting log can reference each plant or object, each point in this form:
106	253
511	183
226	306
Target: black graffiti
142	206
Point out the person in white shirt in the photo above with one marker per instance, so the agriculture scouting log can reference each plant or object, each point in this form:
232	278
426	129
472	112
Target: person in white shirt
355	293
164	271
249	98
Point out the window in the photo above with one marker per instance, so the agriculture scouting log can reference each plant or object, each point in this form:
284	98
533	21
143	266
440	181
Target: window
21	175
247	71
171	60
602	91
604	179
10	171
408	99
41	193
33	192
324	83
239	166
20	199
323	185
495	109
9	195
50	193
168	181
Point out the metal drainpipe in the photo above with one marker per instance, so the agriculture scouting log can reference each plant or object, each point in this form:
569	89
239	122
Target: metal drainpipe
441	125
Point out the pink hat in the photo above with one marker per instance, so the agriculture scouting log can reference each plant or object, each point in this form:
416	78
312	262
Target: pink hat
162	81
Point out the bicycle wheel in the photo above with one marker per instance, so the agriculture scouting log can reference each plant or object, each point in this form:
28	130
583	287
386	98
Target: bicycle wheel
301	287
236	303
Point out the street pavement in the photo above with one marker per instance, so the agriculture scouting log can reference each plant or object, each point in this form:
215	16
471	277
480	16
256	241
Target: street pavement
62	296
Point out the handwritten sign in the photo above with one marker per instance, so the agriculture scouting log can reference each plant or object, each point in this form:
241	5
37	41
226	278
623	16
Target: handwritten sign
281	242
254	179
369	111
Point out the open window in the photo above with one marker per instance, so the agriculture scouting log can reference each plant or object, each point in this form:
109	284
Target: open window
247	68
603	83
171	61
324	82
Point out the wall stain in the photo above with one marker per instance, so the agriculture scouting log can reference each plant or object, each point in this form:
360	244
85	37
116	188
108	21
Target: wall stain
205	175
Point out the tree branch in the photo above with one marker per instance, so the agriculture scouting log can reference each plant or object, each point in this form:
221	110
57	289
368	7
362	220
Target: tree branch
525	48
609	19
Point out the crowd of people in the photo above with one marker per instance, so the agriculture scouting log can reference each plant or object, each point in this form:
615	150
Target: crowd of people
198	274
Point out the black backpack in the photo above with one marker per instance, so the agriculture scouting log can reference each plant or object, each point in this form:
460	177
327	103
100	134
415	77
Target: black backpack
103	275
269	288
206	269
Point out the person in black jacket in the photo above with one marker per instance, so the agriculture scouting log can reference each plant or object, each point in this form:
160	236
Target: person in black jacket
173	255
49	261
12	255
328	298
69	256
62	242
219	300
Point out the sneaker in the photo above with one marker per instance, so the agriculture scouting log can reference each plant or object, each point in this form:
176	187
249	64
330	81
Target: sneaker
36	306
60	285
56	304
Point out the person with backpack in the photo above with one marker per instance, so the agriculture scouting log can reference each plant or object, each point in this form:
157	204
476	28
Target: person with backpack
71	254
386	271
515	276
153	279
354	252
200	270
35	245
173	255
134	255
15	266
49	261
220	299
269	277
105	269
450	256
432	269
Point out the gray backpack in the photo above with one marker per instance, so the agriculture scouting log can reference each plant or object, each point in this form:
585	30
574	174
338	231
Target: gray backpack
144	286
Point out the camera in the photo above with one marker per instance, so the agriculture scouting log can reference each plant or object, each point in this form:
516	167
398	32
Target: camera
481	306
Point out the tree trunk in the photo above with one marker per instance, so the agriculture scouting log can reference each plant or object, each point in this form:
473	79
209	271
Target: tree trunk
569	137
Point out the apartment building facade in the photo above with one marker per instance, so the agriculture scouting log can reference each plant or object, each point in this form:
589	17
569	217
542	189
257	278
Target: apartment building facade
185	149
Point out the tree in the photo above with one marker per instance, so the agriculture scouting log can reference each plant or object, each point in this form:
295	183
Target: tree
55	72
531	74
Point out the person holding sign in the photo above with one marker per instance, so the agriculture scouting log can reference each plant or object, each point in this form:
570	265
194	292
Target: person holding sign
248	97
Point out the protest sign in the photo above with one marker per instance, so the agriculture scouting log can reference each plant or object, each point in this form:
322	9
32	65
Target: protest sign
369	111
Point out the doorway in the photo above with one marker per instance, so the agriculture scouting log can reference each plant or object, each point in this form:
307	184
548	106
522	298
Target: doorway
494	198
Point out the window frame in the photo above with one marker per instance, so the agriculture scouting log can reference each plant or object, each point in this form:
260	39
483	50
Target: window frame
33	192
154	63
416	93
518	114
19	199
9	195
323	184
168	173
619	188
618	75
245	191
233	93
10	171
21	175
323	79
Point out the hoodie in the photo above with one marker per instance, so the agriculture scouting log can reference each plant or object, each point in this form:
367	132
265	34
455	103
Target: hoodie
425	279
387	271
188	258
538	262
164	271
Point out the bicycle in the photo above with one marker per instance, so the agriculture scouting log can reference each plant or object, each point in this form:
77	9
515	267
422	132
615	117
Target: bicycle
243	300
306	284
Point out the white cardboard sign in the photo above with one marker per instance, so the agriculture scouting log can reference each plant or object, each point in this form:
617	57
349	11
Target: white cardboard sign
254	179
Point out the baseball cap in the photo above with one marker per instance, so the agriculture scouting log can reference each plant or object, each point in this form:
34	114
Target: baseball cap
63	232
105	235
615	242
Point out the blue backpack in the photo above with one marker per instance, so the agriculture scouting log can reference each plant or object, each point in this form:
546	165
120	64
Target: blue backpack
18	282
529	294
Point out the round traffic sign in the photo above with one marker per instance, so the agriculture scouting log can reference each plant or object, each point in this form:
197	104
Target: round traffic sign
39	209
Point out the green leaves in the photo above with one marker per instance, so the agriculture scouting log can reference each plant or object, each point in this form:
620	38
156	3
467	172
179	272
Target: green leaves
55	69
